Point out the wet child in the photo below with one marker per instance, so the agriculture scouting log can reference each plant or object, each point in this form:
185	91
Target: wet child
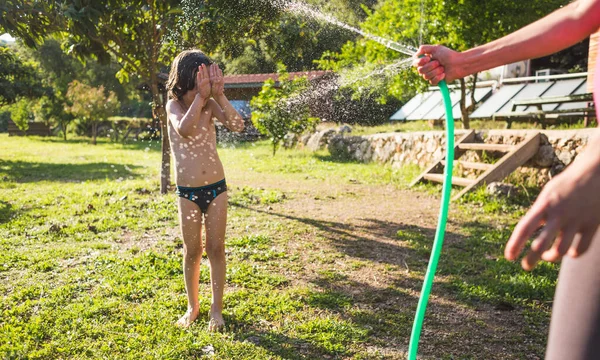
196	99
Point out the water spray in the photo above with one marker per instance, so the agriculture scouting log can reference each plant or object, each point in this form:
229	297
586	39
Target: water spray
303	9
306	10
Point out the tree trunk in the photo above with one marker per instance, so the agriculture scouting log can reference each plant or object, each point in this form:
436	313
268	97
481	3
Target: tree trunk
64	131
463	101
159	112
473	87
94	131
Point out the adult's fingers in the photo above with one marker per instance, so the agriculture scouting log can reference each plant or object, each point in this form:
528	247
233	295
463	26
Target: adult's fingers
587	236
206	75
541	244
434	73
561	245
432	65
436	79
418	62
427	49
523	231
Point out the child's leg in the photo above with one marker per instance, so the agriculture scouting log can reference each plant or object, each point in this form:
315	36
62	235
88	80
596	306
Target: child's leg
215	222
190	220
575	325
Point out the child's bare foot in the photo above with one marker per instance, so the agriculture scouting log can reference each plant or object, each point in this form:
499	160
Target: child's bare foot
215	322
188	318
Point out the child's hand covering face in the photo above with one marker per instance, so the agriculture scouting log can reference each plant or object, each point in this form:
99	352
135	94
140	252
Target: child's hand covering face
216	80
203	82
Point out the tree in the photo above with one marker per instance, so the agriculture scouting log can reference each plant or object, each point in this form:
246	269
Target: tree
279	111
21	114
17	79
51	110
293	40
143	36
91	105
457	24
29	21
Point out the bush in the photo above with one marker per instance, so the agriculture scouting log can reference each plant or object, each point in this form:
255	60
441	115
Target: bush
279	111
21	113
4	118
91	106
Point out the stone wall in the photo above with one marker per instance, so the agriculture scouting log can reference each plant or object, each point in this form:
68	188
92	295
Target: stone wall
558	149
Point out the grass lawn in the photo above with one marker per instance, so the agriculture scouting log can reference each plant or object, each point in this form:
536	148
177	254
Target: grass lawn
325	261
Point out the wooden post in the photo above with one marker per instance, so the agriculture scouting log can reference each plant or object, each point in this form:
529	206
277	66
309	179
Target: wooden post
594	40
593	55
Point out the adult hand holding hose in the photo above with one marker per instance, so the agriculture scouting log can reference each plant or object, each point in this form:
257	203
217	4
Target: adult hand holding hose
436	63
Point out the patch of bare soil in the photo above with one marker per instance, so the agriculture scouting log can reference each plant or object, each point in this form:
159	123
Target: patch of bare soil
353	251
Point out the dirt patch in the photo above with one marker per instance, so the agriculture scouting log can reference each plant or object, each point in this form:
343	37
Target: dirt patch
355	253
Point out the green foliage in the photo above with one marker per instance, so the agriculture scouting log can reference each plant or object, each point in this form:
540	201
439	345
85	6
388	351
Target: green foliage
4	118
47	110
254	58
21	113
91	105
29	21
52	111
459	25
277	111
17	79
290	39
344	105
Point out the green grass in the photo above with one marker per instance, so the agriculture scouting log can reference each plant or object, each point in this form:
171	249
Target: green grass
90	261
257	159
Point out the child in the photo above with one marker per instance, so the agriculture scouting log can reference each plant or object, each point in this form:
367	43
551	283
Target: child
200	176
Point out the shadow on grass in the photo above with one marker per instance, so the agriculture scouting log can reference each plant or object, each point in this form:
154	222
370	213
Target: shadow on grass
474	265
336	159
132	144
6	211
277	343
24	171
60	140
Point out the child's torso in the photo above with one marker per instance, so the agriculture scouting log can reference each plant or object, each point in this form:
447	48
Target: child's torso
197	162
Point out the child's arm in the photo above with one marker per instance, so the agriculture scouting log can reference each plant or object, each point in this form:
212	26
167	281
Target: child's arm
220	106
184	121
561	29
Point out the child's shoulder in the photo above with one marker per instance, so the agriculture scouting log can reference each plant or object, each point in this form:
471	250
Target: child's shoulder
173	105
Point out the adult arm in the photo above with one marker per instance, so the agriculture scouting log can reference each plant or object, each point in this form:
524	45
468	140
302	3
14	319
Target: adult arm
559	30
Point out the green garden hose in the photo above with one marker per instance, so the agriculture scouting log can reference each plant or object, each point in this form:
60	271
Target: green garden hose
441	228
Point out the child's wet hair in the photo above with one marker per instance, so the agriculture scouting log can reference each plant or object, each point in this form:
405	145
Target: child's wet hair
182	76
